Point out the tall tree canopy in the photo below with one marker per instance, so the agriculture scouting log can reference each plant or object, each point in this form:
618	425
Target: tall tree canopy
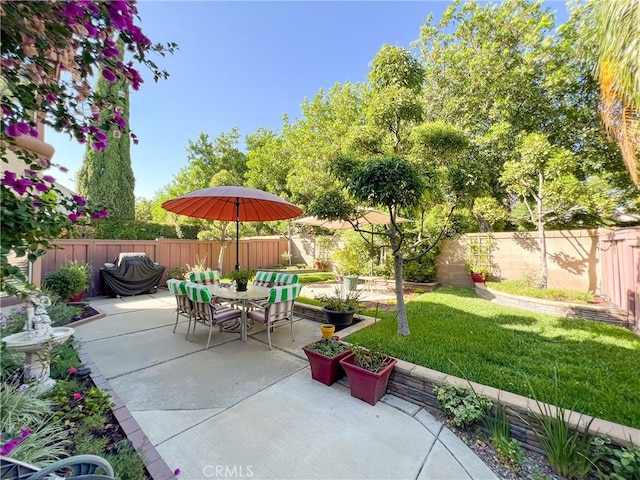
106	176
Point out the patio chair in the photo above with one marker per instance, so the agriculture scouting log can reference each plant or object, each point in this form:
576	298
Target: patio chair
264	279
207	277
285	279
205	311
81	467
183	304
279	309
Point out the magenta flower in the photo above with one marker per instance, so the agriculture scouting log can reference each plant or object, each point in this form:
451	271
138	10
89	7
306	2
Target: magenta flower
72	370
9	178
49	178
119	120
16	129
93	31
25	433
99	146
33	132
79	200
176	472
103	213
51	97
77	396
71	10
109	75
28	171
73	218
41	187
22	185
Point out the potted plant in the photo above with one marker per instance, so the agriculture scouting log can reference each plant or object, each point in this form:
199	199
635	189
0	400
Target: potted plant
319	264
479	260
241	277
339	310
324	358
350	260
368	371
68	281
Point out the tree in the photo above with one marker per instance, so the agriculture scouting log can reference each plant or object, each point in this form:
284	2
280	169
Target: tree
390	182
498	70
106	176
543	178
618	69
50	50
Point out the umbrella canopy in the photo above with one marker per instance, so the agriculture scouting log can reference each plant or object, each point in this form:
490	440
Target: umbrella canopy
367	216
233	204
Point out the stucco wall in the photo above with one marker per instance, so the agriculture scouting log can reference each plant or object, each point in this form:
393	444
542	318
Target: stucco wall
572	255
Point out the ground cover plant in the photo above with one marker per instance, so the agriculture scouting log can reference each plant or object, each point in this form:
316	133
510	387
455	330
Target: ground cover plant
73	418
514	350
525	288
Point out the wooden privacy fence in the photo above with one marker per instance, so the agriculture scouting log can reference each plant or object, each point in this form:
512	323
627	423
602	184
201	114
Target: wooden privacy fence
254	253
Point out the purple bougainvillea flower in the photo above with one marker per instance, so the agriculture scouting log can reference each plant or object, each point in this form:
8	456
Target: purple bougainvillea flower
28	171
22	185
33	132
41	187
103	213
49	178
73	218
16	129
119	120
9	178
108	74
72	370
176	471
25	433
80	200
51	97
77	396
99	146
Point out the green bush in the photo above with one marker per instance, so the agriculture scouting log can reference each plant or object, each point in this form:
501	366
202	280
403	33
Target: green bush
422	270
462	405
137	230
620	464
67	281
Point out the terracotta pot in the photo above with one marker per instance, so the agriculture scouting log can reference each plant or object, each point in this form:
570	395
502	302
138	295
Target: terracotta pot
478	277
364	384
325	369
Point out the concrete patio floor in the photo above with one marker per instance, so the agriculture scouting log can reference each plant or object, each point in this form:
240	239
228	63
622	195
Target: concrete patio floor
241	410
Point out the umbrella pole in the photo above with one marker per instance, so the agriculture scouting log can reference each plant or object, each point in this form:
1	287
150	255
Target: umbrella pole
237	234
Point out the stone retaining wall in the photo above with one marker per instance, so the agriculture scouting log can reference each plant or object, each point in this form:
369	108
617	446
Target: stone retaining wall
610	315
415	384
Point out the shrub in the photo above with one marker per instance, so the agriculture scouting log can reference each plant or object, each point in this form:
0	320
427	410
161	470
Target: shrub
462	405
67	281
176	273
114	229
422	270
616	463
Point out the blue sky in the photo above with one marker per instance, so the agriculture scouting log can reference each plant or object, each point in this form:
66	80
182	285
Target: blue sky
245	64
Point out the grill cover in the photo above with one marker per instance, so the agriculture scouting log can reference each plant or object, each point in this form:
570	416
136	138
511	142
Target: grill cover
132	274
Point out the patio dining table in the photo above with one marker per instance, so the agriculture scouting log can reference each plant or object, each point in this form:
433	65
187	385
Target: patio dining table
240	298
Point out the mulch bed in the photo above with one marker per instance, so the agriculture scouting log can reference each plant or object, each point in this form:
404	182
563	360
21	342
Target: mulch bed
87	311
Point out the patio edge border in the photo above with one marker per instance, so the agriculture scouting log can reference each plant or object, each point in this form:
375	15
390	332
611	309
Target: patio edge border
155	465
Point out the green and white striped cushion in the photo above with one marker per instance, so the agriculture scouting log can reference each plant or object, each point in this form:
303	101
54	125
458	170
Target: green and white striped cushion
286	279
198	293
172	285
207	277
284	293
264	279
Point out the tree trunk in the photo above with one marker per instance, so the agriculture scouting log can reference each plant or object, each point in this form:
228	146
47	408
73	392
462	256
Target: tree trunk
223	247
544	271
403	323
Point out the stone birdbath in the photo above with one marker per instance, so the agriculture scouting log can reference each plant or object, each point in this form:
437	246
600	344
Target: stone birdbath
36	341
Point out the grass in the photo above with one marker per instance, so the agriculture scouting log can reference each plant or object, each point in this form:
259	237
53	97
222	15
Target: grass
523	288
455	332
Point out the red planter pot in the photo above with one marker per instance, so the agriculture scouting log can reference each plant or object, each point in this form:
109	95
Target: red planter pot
364	384
478	277
77	298
325	369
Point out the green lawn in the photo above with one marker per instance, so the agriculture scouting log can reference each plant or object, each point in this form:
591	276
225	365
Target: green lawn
455	332
520	287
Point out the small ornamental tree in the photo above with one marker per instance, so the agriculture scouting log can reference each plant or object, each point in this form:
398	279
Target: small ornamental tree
50	50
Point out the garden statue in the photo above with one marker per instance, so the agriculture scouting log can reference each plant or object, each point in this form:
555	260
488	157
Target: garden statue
38	321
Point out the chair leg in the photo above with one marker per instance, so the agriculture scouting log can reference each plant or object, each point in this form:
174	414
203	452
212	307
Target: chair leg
269	335
210	330
291	323
177	317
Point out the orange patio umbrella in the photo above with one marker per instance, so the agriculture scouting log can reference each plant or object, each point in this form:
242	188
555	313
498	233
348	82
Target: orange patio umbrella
233	204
